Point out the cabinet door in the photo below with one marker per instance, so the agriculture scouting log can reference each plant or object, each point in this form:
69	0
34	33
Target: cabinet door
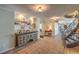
27	37
20	40
31	35
24	39
35	36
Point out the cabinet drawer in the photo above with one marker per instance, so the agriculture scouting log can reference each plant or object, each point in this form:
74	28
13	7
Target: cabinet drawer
24	38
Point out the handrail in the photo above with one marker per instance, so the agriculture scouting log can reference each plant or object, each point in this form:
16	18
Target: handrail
66	32
69	30
70	25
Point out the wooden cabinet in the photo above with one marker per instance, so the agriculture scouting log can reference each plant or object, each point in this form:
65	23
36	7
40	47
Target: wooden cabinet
24	38
33	36
27	37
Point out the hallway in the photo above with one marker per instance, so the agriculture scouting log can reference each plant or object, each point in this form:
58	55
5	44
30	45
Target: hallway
29	23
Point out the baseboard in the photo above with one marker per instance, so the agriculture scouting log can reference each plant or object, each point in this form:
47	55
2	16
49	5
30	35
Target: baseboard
1	52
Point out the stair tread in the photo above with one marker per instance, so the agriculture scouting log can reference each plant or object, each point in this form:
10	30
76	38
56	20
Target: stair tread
67	42
70	40
74	38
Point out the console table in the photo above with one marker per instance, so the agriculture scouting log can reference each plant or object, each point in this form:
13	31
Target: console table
23	38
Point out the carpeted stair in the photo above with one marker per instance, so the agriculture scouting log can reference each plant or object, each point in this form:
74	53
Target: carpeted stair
72	39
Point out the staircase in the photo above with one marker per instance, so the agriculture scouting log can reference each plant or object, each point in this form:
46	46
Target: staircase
72	39
71	35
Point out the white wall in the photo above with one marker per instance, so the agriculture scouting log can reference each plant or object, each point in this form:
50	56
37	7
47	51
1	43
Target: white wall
38	27
6	30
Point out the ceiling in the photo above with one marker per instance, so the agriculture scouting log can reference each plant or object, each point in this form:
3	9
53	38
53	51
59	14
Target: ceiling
53	10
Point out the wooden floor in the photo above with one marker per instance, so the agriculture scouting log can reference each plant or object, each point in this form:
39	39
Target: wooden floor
46	45
74	50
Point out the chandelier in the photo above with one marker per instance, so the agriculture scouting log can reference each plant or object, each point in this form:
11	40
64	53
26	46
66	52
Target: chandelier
40	7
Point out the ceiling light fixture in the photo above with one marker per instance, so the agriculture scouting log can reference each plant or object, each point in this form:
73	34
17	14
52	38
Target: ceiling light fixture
40	8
